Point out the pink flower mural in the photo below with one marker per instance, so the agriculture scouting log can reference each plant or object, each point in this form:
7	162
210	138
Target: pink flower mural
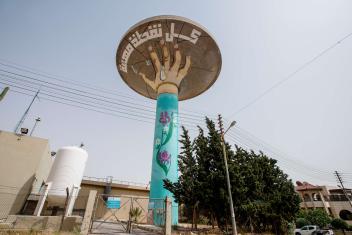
164	118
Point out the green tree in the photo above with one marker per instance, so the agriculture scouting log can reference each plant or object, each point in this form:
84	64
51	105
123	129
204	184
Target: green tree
267	198
264	197
186	190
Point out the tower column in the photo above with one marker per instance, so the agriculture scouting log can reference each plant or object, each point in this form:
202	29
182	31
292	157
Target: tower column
165	154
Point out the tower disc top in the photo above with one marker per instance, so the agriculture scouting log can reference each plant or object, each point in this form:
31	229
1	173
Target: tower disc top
161	46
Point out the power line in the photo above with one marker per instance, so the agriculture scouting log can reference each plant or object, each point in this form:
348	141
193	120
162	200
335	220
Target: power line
90	107
240	140
265	146
135	110
85	85
299	69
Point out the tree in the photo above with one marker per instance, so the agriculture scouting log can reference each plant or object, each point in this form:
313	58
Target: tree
263	196
186	190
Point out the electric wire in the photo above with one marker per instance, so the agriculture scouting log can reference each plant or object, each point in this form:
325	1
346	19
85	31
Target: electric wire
299	69
243	138
88	86
238	140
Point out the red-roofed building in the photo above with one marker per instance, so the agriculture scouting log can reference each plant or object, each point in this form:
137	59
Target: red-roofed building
330	199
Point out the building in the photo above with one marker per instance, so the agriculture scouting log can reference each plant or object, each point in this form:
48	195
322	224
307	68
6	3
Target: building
131	195
330	199
25	162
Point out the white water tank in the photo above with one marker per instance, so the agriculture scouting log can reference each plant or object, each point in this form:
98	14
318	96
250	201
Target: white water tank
66	172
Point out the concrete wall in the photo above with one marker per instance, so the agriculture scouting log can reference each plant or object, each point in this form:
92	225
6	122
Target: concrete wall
125	192
24	164
337	206
41	223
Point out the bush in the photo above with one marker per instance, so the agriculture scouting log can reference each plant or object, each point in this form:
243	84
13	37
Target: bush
349	228
203	219
339	224
319	217
300	222
135	213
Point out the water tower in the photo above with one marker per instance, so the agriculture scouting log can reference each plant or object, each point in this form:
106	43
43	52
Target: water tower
167	58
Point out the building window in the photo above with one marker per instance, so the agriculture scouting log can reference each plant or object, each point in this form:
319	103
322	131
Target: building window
316	197
306	197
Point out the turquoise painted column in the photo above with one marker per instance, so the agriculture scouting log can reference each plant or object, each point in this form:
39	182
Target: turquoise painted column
165	154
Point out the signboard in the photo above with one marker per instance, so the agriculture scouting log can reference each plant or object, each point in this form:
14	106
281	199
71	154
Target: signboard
191	39
113	203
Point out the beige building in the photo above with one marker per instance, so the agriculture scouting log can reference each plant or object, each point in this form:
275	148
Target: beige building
131	195
25	162
330	199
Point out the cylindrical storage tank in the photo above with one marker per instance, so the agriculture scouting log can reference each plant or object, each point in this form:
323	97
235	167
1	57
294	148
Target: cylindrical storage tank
66	172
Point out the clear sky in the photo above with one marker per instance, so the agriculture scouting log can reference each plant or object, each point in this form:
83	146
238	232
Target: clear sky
305	121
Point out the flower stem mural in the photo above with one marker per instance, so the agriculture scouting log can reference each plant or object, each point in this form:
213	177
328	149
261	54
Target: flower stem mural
165	153
163	157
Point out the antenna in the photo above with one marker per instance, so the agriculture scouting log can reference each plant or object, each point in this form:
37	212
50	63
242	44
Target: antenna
35	124
19	124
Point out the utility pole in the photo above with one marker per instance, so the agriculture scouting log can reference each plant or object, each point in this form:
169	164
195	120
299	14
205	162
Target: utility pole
233	219
35	124
338	176
19	124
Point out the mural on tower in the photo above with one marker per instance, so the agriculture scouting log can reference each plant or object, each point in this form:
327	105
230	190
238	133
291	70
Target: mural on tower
167	58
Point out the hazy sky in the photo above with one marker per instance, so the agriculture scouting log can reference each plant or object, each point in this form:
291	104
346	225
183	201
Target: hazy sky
306	120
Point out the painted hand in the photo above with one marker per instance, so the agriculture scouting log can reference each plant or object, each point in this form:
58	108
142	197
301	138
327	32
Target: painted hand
164	73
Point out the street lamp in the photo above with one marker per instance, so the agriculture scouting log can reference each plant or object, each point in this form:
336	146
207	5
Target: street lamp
233	219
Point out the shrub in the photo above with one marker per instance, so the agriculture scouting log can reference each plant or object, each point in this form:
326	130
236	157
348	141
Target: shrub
135	213
339	224
203	219
349	228
300	222
318	217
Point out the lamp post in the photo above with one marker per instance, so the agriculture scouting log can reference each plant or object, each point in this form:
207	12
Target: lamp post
233	219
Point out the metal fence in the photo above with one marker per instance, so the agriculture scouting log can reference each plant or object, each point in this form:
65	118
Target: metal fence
120	213
111	213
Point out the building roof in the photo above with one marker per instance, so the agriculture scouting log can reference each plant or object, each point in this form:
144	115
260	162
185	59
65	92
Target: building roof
98	182
306	186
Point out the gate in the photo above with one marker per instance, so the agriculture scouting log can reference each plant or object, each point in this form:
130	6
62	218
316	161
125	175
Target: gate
119	213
